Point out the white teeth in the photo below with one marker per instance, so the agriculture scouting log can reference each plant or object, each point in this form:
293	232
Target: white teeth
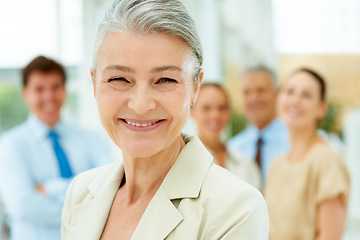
140	124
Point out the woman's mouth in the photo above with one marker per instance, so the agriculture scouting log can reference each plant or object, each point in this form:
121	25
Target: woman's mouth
139	124
142	125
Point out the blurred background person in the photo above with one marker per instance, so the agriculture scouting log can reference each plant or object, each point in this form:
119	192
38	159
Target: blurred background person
307	189
266	137
39	158
212	115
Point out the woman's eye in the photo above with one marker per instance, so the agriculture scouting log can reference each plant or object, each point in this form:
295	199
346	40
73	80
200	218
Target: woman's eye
307	95
289	91
205	108
120	83
167	80
165	84
118	79
223	107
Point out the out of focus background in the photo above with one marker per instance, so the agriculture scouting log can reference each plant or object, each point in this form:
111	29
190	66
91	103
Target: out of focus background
236	34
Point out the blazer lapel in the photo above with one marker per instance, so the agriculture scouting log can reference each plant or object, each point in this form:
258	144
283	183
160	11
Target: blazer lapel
100	209
95	211
160	218
186	176
184	180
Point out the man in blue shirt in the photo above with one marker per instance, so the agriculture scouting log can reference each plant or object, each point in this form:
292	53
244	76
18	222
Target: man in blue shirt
266	137
39	157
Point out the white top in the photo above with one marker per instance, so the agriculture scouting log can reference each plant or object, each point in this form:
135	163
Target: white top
242	167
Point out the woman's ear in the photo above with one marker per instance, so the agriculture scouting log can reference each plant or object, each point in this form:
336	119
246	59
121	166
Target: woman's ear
92	74
322	110
197	86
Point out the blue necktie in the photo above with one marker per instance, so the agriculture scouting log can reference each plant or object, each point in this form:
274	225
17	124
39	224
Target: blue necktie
258	153
65	170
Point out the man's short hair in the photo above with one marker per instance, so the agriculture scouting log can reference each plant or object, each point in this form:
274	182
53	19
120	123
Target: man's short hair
42	64
262	68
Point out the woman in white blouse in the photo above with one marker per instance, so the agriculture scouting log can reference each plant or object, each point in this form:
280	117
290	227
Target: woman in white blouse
212	115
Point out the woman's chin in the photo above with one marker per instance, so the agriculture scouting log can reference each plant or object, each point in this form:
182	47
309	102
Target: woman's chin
211	133
140	150
296	125
139	154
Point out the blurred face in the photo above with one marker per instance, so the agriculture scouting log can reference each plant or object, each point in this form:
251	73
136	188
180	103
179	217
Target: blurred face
212	112
299	103
259	98
144	88
45	95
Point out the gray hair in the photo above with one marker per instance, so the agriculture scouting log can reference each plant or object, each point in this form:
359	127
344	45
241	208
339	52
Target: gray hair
262	68
148	16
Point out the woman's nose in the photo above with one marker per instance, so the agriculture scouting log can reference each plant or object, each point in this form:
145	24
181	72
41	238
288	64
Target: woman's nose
214	114
142	99
294	99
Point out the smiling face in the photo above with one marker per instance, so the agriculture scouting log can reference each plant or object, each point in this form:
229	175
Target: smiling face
212	112
45	93
259	95
144	89
299	103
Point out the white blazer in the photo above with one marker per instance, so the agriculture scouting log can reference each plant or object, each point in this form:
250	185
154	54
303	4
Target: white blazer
197	200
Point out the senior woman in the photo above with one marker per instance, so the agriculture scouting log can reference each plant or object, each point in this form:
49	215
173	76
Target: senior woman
146	75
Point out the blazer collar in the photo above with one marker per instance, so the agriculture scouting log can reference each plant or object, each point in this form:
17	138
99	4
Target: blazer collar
184	180
107	180
103	189
159	219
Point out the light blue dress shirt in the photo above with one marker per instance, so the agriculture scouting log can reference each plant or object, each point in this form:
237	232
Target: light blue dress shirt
27	158
275	139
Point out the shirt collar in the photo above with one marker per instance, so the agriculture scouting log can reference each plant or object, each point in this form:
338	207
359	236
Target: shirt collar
40	129
270	130
253	133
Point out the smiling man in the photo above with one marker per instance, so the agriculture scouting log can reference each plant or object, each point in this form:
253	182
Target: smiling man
266	137
39	158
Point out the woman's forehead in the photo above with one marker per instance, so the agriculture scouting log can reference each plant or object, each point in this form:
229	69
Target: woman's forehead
303	82
133	50
303	79
212	94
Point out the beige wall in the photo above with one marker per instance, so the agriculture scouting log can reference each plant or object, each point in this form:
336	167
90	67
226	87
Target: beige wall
232	74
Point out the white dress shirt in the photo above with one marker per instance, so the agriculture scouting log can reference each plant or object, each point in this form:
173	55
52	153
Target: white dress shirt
27	158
